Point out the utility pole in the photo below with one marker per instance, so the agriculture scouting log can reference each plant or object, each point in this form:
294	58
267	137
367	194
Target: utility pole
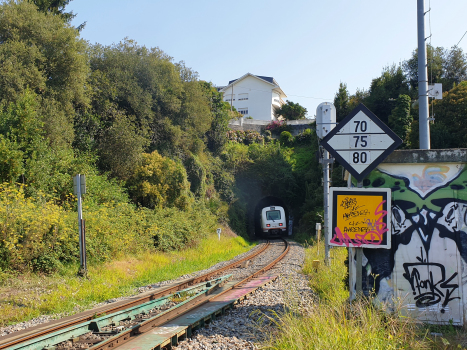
424	123
326	184
325	122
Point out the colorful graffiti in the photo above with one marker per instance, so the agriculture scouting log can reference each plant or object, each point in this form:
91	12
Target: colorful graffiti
366	231
427	261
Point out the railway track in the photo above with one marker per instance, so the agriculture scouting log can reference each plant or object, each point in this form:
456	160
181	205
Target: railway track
144	319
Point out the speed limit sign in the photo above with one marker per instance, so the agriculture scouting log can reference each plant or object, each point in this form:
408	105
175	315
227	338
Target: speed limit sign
360	142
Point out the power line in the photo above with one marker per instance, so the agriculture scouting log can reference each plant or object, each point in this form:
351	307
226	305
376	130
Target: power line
461	38
316	98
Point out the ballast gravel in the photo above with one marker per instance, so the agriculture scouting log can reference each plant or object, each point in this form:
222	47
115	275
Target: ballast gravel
251	321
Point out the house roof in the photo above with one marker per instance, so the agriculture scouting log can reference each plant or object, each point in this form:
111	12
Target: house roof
269	80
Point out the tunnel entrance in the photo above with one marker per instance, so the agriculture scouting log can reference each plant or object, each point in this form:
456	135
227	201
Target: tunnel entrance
267	202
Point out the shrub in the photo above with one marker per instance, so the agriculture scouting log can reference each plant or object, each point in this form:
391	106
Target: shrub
160	182
173	229
286	138
304	138
246	137
275	124
35	232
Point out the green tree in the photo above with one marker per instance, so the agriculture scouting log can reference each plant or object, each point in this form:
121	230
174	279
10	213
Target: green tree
341	102
435	61
170	107
400	120
450	129
41	52
57	7
160	182
360	96
455	68
120	148
445	66
291	111
385	89
220	111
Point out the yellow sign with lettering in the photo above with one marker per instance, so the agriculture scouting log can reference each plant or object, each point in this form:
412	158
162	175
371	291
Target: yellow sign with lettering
360	217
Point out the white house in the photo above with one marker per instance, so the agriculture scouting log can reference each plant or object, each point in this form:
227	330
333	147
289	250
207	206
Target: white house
254	96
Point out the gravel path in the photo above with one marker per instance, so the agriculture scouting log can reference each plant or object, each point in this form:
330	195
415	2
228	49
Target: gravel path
246	326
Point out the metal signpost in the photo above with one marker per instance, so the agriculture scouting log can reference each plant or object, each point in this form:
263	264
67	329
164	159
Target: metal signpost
79	188
359	143
325	122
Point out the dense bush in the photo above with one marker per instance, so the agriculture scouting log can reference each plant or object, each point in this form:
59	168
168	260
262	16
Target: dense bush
160	182
37	234
246	137
305	137
286	138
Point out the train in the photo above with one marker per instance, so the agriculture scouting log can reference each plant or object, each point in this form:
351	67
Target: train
273	221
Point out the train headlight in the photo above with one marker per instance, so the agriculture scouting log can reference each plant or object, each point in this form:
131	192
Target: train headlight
268	225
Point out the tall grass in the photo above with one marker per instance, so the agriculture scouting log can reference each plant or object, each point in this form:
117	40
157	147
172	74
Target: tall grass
31	295
332	322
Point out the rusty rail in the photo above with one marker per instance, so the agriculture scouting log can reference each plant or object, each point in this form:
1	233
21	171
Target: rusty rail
132	333
29	334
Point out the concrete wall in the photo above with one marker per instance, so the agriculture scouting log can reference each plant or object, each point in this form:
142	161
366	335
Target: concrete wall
297	126
426	268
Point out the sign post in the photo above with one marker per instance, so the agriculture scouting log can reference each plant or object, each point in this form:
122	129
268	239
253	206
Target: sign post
325	122
79	188
318	233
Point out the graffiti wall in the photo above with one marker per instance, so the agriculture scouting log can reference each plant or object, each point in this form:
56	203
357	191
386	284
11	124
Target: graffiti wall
426	267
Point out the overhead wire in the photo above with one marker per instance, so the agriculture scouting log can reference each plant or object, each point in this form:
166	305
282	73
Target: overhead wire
461	38
316	98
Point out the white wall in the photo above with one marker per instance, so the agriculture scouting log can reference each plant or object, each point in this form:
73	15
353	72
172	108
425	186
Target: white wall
259	97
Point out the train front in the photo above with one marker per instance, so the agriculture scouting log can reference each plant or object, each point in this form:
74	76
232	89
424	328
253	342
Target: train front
273	221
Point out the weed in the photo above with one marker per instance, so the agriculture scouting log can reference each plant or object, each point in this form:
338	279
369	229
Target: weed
334	323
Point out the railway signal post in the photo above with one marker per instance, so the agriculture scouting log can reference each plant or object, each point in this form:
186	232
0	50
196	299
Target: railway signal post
325	122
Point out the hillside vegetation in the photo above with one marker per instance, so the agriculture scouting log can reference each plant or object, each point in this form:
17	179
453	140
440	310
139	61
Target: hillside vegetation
162	168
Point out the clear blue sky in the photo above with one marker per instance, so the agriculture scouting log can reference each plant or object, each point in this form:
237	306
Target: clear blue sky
308	46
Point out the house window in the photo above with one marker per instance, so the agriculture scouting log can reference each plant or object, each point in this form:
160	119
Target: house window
228	98
242	97
277	101
243	111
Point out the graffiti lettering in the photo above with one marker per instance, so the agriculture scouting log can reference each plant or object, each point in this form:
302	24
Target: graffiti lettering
373	234
349	203
355	213
427	290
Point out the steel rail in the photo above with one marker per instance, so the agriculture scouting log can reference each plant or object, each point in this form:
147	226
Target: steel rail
132	333
10	341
